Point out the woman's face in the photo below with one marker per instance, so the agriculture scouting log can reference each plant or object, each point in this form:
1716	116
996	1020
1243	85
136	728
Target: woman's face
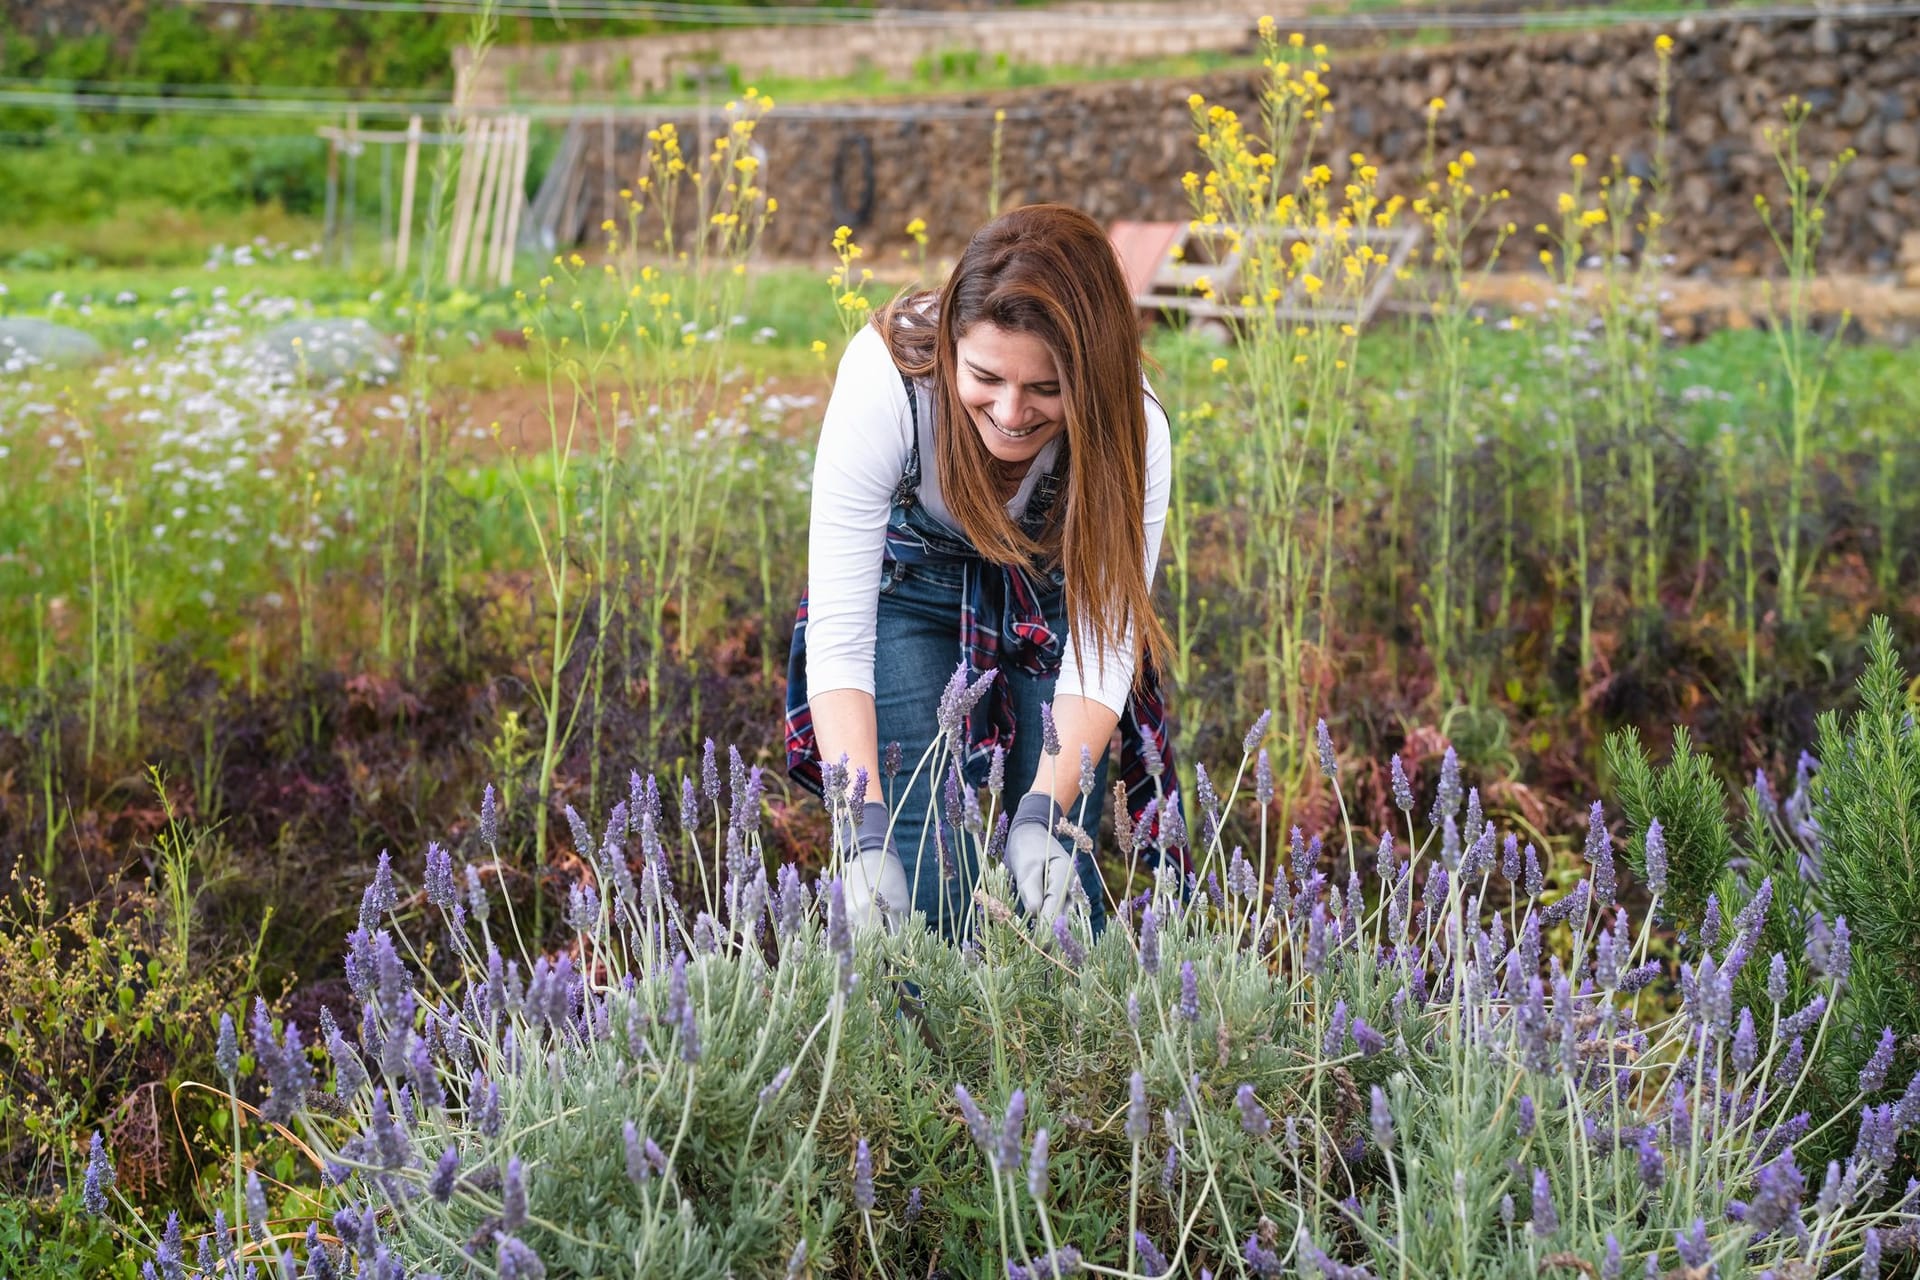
1011	390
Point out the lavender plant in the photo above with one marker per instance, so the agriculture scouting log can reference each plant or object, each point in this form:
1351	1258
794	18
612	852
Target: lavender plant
1374	1074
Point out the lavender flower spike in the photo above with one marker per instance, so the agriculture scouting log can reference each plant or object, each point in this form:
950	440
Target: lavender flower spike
1402	787
1873	1076
1256	732
1380	1118
863	1197
1137	1114
1545	1221
226	1049
1037	1168
1323	740
100	1178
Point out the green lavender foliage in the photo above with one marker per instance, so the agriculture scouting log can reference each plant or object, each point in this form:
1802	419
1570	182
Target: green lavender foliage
1688	799
1866	808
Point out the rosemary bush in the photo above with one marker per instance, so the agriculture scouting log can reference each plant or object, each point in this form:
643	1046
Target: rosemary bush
1400	1061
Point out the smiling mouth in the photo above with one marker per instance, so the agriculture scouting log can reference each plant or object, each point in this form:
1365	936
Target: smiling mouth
1010	432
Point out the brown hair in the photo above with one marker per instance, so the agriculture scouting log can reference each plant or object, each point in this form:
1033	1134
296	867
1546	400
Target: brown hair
1050	271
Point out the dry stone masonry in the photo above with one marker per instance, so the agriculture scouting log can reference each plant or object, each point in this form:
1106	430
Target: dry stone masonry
1524	106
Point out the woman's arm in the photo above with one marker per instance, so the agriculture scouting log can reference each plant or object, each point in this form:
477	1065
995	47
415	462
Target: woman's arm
844	723
865	438
1080	721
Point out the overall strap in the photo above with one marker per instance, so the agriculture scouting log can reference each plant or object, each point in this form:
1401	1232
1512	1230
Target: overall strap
907	493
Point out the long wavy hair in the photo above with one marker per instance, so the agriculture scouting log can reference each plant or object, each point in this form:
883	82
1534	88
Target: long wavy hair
1050	271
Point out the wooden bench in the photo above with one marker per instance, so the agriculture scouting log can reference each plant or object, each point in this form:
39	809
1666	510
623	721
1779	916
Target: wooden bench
1164	260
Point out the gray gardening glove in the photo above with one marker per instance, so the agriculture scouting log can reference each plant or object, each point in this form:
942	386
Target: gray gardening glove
872	882
1042	866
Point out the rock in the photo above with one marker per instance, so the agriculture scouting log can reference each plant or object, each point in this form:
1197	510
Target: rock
352	350
25	342
1902	138
1855	106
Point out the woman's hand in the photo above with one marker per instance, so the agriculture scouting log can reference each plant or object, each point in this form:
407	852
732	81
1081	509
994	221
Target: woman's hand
1042	866
873	884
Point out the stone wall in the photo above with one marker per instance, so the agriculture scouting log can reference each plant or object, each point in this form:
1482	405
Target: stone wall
1524	106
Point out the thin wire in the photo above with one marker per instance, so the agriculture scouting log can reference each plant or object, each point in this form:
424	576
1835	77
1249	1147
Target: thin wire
296	109
674	11
787	15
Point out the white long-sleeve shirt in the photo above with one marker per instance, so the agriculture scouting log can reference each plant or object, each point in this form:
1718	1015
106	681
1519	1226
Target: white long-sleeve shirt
865	442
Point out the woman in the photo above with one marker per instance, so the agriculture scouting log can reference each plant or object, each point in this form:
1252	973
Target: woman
990	489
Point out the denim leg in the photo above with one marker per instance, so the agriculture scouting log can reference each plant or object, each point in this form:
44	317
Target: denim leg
917	647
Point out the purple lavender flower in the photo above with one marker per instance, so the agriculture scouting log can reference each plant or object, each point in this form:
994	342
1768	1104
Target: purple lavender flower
1256	732
1071	948
1370	1041
514	1260
1777	978
1151	1259
1545	1221
1524	1116
1599	853
1652	1164
1189	1007
1263	778
1778	1190
915	1204
1870	1255
513	1196
99	1179
1012	1126
1253	1117
1506	1211
1746	1043
1446	799
476	894
1693	1246
1613	1265
1803	1021
797	1261
840	935
1150	941
1138	1117
1169	1168
1133	1010
1323	740
1873	1076
489	818
1334	1042
1380	1119
1049	731
446	1170
1510	858
1908	1108
484	1104
226	1049
1792	1060
1037	1168
863	1197
1476	816
1536	880
1314	958
379	898
1264	1261
977	1124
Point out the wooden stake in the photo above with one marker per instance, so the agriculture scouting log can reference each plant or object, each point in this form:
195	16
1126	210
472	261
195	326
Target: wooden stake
407	174
483	205
523	127
476	133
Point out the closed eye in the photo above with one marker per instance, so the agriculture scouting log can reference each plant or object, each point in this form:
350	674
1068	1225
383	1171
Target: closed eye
1039	389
